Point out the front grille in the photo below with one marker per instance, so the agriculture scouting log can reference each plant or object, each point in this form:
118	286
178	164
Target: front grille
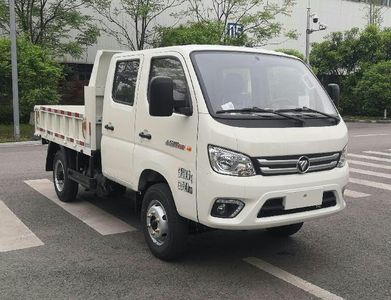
285	165
275	207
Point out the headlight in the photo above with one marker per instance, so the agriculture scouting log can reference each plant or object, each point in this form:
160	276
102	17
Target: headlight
343	158
227	162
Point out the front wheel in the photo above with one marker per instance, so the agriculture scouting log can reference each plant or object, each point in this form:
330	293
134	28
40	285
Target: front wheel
165	231
285	230
66	189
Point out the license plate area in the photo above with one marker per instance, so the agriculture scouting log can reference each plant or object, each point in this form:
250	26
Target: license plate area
305	198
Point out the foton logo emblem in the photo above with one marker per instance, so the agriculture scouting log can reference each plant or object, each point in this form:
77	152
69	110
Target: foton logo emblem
303	164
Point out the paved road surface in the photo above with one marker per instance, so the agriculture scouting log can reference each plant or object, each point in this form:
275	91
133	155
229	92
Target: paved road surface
94	248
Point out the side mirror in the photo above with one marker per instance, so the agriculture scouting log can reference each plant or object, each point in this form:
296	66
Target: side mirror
161	97
334	92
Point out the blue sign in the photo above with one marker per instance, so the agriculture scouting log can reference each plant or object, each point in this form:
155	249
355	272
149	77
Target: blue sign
234	30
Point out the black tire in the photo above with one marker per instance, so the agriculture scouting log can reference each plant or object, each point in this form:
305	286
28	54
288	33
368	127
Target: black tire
66	189
173	244
286	230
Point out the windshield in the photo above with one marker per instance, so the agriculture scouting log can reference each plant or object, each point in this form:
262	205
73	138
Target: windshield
237	80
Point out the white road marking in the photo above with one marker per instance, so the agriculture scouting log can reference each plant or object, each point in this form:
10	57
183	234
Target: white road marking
96	218
14	234
371	173
354	194
369	135
373	184
378	153
13	144
367	164
292	279
370	157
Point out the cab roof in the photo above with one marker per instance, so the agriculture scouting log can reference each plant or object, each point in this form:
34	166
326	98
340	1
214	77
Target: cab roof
187	49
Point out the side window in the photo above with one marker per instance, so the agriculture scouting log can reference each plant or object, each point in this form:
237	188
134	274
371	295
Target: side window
172	67
125	79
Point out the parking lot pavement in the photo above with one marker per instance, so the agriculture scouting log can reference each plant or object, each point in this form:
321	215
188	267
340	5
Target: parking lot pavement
94	248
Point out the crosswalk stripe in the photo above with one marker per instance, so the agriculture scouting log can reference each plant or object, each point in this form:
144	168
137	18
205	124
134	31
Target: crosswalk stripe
14	234
370	157
378	153
354	194
368	164
292	279
96	218
370	135
371	173
373	184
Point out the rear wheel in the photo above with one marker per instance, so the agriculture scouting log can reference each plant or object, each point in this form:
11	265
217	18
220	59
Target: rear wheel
66	189
165	231
286	230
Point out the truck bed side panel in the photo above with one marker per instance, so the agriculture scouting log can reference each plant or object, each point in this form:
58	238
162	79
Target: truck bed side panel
64	125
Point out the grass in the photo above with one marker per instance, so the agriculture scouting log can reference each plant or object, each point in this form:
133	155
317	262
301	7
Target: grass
7	133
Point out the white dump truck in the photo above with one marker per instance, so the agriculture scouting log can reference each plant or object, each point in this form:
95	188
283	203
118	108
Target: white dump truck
208	136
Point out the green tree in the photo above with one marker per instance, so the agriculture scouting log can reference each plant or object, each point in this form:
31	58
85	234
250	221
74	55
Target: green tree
336	55
132	22
195	33
258	17
344	56
39	76
292	52
344	53
56	24
3	17
373	90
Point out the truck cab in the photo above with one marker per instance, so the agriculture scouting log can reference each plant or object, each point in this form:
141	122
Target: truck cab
224	137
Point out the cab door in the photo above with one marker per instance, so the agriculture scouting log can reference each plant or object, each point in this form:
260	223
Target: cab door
118	135
167	145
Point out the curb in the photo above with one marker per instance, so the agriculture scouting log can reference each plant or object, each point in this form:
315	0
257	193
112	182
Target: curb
29	143
367	121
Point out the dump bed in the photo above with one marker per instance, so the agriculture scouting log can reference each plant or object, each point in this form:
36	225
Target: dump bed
64	125
77	127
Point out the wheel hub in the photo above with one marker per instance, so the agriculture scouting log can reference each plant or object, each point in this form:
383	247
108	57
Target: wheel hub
157	223
59	175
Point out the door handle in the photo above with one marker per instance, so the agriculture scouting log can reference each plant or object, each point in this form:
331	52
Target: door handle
144	135
109	127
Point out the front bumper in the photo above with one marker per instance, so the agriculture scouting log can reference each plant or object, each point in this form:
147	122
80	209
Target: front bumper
255	191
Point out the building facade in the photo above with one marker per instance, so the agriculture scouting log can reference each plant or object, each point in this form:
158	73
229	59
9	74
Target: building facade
338	15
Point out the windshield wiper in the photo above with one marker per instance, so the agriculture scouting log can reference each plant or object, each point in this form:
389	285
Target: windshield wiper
307	109
260	110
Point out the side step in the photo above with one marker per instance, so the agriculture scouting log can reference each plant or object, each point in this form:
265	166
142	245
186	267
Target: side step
85	181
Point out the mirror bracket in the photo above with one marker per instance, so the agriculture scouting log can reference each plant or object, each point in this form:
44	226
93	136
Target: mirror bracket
334	92
187	111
